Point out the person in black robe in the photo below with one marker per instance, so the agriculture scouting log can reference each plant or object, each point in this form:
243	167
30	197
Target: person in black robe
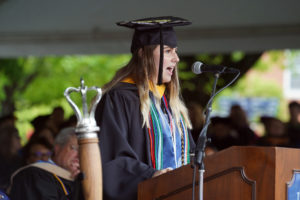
239	123
34	183
292	127
10	155
54	179
143	122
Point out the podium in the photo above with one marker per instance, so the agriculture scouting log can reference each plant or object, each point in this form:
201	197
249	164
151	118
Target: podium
236	173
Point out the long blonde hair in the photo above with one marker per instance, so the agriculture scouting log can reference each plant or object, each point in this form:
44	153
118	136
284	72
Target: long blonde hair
141	69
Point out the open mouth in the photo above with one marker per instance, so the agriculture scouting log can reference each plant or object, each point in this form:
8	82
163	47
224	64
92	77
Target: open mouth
170	69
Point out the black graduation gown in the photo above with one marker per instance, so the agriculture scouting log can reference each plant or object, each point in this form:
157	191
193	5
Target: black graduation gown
34	183
124	144
7	168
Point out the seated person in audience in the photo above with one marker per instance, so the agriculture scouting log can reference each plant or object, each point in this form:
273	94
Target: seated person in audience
70	122
239	123
54	179
197	119
10	158
44	132
7	120
292	127
56	119
37	149
221	133
53	122
274	133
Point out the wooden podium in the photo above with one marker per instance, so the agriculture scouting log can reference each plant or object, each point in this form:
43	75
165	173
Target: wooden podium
236	173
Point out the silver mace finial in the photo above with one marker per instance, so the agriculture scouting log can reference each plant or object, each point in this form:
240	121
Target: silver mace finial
86	124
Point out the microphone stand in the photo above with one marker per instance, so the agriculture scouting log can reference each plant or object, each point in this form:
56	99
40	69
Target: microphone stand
202	140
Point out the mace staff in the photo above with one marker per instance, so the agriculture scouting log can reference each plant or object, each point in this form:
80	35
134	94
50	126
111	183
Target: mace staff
89	151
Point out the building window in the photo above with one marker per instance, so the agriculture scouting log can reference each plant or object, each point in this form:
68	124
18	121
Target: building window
292	77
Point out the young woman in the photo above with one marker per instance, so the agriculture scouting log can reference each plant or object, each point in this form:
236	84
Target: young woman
144	123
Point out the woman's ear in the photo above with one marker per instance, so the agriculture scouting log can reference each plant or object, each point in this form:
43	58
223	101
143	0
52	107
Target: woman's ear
140	52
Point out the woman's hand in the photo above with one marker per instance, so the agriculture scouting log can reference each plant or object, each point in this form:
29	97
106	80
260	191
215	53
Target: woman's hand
160	172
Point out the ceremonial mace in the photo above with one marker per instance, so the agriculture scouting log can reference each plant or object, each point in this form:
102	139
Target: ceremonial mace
89	151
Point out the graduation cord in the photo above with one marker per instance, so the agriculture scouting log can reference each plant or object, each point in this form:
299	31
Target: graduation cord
172	128
62	184
171	125
152	145
157	141
183	135
185	143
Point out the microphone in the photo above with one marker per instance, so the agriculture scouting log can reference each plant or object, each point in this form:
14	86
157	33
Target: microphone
198	68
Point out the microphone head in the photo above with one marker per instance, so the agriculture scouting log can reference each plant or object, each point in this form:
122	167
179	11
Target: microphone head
196	68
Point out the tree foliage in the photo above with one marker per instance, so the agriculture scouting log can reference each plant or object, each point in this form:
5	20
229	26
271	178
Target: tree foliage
34	85
26	82
197	88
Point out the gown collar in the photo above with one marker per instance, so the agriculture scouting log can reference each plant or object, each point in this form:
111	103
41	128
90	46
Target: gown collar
160	88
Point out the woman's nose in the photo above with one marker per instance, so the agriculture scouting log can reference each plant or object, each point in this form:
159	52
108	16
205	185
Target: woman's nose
175	58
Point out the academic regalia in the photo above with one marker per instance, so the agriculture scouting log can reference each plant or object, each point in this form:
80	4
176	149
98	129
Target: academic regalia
33	183
130	151
124	143
7	168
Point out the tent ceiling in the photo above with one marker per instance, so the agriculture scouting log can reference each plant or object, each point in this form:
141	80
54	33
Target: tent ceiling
37	27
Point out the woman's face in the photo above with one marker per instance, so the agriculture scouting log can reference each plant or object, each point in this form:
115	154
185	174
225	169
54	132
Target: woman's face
169	63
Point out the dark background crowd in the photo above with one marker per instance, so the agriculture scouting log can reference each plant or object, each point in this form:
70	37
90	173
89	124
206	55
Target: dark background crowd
235	129
223	131
39	146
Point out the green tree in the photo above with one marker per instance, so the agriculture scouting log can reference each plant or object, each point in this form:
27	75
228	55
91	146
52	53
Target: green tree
33	81
15	78
32	86
197	88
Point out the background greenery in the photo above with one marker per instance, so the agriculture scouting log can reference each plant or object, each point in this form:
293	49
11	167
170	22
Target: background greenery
33	86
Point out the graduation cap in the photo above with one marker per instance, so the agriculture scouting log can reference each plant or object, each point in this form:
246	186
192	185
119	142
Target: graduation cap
155	31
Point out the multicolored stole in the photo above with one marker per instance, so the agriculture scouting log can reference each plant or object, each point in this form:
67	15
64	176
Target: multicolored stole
169	143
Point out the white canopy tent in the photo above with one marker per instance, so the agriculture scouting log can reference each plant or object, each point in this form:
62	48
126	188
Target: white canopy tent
38	27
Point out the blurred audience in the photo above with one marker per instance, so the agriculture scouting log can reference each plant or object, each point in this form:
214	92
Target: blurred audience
221	133
63	151
274	133
235	129
37	149
10	157
292	127
239	122
52	122
40	122
54	179
7	120
46	133
56	119
197	119
70	122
